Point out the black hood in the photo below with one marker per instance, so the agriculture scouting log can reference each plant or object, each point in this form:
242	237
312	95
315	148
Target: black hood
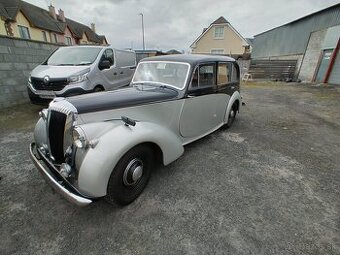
131	96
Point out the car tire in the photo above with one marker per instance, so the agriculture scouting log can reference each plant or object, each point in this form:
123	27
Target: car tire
130	176
98	89
232	115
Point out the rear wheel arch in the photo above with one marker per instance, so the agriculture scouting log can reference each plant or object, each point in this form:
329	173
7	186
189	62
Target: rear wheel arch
98	88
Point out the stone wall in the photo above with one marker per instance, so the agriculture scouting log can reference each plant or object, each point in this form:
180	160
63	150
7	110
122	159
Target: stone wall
17	59
311	58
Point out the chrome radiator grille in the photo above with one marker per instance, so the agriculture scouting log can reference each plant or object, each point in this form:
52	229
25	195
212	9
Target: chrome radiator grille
56	127
62	116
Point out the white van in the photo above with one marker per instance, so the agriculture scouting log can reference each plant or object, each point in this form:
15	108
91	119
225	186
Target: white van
77	70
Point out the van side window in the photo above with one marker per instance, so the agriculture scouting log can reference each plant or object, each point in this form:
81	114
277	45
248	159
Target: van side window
223	73
108	55
235	77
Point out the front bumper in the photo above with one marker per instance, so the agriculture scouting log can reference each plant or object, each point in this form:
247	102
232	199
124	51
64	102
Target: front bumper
53	178
43	97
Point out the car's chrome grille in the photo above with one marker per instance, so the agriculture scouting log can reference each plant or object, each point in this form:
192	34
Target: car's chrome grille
55	84
62	116
56	129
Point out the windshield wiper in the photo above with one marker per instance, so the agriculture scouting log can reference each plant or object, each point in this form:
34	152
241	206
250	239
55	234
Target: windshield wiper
64	65
83	64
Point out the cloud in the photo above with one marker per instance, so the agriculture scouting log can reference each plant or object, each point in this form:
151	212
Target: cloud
177	23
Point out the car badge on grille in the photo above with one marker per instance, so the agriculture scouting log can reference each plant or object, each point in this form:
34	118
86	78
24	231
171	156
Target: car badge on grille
46	80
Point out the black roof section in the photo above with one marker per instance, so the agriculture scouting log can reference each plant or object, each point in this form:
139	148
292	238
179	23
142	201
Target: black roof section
41	18
78	29
192	59
220	20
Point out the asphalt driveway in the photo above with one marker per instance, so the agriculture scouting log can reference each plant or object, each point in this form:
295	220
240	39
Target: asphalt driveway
268	185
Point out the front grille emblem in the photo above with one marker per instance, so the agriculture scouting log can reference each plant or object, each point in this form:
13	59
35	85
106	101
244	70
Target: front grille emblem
46	80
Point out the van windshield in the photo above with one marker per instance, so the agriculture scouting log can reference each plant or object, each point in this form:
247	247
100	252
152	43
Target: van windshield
73	56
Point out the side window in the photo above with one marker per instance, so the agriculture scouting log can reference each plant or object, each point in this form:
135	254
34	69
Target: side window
108	55
206	75
223	73
235	77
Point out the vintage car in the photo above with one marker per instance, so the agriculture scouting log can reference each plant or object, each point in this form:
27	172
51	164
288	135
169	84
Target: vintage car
106	144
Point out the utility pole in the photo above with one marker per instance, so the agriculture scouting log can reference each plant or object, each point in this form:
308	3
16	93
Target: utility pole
143	30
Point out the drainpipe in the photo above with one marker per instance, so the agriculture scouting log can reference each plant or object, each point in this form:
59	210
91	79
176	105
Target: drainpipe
331	63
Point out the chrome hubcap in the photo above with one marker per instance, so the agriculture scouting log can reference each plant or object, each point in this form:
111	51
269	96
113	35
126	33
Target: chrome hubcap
232	113
133	172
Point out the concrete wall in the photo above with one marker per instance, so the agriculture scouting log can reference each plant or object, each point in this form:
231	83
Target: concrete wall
312	56
17	59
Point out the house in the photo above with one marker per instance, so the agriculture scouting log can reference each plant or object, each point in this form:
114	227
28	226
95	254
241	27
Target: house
311	42
23	20
221	38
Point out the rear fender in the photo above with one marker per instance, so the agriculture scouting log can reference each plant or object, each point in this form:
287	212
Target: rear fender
235	97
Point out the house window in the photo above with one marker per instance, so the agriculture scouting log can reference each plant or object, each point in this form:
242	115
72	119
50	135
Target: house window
55	39
219	33
24	32
68	40
217	51
44	36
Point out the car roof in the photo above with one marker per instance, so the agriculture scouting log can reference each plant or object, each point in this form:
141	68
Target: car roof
192	59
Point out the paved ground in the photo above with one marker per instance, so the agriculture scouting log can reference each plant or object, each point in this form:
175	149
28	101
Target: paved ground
269	185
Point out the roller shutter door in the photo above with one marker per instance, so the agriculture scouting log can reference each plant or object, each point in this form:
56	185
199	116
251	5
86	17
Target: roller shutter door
335	74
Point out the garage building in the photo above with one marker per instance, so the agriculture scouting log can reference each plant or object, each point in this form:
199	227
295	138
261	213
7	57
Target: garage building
311	43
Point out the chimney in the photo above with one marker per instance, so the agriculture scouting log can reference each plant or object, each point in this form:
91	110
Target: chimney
61	15
93	27
51	9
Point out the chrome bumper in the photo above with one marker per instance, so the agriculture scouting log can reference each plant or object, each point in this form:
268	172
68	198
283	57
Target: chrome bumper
52	179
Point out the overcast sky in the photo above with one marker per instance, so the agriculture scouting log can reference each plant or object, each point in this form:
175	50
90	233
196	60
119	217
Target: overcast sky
175	24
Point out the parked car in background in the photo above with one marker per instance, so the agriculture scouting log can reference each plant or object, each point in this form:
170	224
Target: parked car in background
77	70
106	144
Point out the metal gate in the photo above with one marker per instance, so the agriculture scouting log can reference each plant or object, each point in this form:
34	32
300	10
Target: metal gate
335	74
326	57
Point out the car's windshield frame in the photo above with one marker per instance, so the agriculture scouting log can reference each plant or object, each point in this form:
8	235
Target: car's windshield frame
159	83
95	56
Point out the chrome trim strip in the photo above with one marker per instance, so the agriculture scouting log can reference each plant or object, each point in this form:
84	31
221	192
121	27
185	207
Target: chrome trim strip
70	196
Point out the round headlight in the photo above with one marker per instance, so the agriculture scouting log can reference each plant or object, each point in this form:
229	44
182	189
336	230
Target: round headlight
79	137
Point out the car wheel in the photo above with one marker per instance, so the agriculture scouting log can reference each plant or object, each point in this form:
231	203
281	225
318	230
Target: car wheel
98	89
232	115
130	176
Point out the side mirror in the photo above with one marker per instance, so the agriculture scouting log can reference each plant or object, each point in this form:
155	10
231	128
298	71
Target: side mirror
104	64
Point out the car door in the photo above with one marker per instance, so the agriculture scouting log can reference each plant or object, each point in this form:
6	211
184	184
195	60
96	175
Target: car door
204	107
111	77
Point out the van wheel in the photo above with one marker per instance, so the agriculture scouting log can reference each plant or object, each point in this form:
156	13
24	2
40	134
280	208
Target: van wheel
130	176
98	89
232	115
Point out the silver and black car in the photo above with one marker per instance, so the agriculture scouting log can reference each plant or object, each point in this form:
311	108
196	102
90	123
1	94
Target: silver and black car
107	144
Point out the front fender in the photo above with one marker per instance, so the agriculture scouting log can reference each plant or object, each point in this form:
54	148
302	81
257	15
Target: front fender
97	163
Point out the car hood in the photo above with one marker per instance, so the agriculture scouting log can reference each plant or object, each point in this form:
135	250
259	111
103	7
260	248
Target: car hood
58	71
128	97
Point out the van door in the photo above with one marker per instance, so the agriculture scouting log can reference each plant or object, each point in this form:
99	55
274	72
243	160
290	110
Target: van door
112	77
126	65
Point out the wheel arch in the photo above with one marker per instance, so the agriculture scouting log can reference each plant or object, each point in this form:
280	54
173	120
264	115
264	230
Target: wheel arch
97	164
235	98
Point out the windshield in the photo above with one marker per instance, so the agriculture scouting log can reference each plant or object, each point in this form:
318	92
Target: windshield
163	73
71	56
